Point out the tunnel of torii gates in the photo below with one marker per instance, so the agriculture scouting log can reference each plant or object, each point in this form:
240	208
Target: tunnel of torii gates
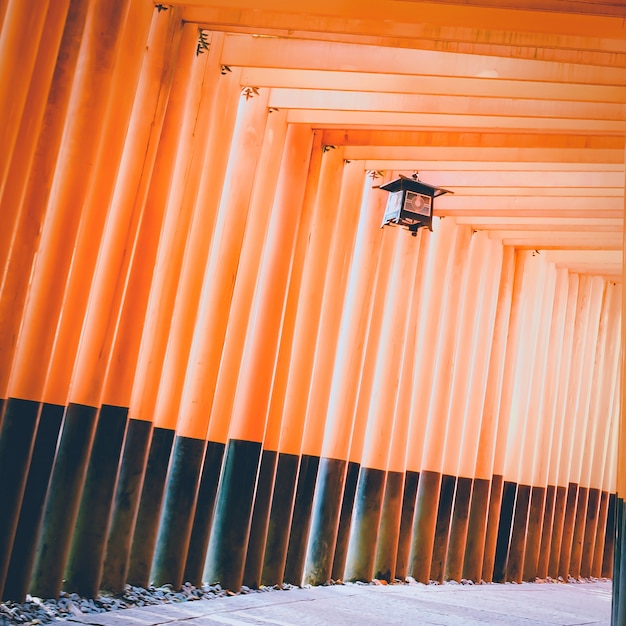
216	366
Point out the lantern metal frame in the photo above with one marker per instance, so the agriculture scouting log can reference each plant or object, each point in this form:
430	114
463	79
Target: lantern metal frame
410	203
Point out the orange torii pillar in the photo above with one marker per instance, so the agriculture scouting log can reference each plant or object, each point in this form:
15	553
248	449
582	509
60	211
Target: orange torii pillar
516	393
484	480
430	306
619	571
45	309
345	289
606	376
172	194
261	204
360	412
15	272
585	335
339	261
434	491
380	402
469	388
331	445
553	525
305	187
395	500
501	403
533	429
240	257
541	498
77	338
228	542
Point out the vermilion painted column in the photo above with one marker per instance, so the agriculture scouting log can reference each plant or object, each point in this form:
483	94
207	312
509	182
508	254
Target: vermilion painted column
381	403
12	195
281	511
433	375
229	535
96	188
585	331
468	390
529	495
349	206
189	447
42	314
23	413
163	241
555	458
22	29
480	501
596	444
511	350
541	497
349	289
391	552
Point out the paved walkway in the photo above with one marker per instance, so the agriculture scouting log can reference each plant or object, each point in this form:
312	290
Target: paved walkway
579	604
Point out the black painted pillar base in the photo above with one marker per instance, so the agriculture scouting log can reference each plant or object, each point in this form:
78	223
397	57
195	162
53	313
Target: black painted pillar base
568	530
458	529
557	531
442	529
610	547
17	438
618	612
260	520
177	512
409	496
233	511
509	491
491	532
146	528
546	532
476	530
345	520
84	569
31	514
301	519
61	512
389	532
533	533
591	528
515	561
126	504
203	518
281	512
368	504
324	521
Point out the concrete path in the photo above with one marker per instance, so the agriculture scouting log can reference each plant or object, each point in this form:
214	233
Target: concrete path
574	604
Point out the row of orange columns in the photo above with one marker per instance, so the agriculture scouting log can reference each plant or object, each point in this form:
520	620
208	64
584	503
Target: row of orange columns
215	366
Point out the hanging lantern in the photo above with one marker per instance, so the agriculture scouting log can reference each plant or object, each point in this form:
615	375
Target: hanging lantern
410	203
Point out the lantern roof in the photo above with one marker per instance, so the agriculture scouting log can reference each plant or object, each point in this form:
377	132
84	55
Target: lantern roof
413	184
